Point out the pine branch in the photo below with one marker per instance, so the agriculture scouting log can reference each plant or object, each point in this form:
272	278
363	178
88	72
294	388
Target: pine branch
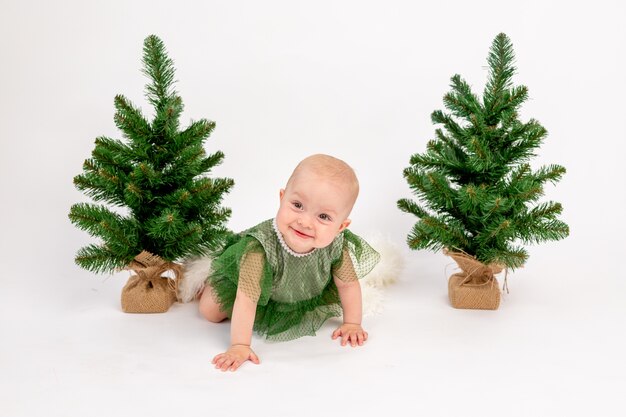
545	210
513	99
433	184
166	120
114	229
213	235
510	257
136	198
201	200
437	232
500	59
541	224
211	161
468	200
186	165
551	173
214	220
195	134
209	191
446	147
409	206
101	184
523	141
100	259
167	226
497	229
129	120
482	153
114	153
506	127
525	186
186	241
462	102
160	69
457	132
545	230
495	205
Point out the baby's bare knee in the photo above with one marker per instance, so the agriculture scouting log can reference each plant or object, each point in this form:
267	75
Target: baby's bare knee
212	315
211	311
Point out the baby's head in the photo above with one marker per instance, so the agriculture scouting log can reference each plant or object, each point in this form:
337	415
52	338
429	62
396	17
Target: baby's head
316	202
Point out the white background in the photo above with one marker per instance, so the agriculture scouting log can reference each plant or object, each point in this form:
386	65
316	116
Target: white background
283	80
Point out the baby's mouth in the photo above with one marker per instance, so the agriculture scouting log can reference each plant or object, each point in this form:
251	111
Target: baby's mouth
300	234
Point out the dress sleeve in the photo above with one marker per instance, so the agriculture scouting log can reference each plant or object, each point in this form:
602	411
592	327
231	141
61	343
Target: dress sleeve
251	271
344	270
357	259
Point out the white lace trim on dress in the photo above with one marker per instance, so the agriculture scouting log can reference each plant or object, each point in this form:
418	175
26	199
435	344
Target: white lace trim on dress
284	244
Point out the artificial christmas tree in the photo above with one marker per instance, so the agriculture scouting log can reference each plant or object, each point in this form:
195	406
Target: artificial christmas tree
477	194
158	177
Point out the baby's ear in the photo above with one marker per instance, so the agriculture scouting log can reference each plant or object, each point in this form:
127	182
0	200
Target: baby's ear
282	194
345	224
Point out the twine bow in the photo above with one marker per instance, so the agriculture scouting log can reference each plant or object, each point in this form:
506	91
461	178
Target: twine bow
477	273
149	266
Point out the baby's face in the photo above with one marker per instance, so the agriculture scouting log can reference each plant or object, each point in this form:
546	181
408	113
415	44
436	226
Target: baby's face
313	210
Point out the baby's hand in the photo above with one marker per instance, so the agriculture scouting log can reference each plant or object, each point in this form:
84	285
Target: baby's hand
234	357
352	333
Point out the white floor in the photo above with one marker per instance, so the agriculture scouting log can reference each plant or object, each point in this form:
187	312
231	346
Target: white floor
554	348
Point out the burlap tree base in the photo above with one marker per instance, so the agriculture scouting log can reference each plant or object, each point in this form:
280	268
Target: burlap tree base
476	287
148	291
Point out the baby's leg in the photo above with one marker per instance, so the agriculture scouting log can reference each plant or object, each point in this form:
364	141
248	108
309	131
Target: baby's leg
209	308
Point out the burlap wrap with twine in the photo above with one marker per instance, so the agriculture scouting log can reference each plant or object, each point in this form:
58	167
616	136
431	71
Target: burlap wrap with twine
476	287
148	291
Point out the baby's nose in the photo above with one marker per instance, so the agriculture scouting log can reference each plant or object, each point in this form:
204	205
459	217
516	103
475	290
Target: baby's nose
304	221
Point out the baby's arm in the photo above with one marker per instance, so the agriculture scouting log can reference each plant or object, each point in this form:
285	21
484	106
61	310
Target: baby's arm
350	296
244	311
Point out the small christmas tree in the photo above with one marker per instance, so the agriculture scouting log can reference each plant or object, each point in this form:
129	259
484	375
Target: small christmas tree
477	192
159	175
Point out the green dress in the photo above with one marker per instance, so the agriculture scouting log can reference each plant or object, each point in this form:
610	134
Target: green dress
295	293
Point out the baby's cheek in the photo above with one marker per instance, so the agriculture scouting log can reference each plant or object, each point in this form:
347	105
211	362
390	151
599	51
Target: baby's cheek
325	239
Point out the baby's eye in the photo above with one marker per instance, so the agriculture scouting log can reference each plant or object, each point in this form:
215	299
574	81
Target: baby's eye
325	217
297	204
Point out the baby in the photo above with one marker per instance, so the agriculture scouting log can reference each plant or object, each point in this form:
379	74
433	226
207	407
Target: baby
286	276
